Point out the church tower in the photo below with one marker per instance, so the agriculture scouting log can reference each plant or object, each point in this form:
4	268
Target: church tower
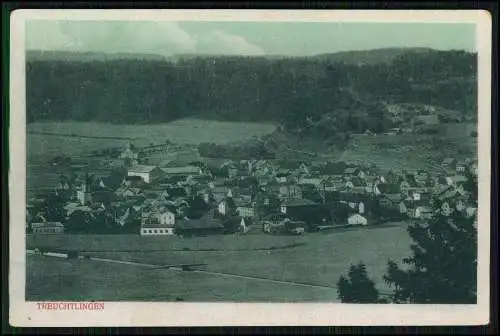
84	195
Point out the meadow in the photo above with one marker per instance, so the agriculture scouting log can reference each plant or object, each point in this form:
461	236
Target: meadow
46	140
316	259
64	135
413	150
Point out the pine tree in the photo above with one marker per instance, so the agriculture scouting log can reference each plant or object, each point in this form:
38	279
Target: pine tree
443	265
357	287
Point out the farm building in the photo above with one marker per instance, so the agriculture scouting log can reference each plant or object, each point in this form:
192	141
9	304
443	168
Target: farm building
146	172
47	228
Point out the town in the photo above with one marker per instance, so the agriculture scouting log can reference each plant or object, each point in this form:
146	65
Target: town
143	191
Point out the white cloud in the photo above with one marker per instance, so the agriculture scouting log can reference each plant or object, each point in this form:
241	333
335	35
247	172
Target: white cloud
221	42
164	38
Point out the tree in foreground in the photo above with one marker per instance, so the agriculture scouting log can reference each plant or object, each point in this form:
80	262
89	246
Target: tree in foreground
357	287
443	265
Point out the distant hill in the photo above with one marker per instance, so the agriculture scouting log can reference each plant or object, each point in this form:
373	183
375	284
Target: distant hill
372	56
329	94
356	57
72	56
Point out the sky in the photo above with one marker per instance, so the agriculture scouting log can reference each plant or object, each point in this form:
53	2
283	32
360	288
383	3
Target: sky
169	38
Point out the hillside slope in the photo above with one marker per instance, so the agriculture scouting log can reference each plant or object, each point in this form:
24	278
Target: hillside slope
288	91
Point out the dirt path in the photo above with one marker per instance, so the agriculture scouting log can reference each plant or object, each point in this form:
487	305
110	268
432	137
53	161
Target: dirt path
180	269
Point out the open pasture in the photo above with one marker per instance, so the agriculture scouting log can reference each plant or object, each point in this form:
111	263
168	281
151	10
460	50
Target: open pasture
182	131
317	259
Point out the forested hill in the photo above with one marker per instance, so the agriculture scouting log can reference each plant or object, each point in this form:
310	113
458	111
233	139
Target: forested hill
286	90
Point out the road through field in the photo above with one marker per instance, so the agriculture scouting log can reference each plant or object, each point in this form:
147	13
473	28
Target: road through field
179	269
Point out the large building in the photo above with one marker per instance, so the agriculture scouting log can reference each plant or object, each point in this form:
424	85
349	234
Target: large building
47	228
158	224
147	173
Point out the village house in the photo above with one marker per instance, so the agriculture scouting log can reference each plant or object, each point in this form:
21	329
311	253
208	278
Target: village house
357	219
456	180
218	193
429	119
417	209
404	207
283	175
328	184
284	225
372	183
355	201
226	205
309	179
184	170
158	223
294	166
448	163
206	225
290	191
273	219
146	172
473	168
461	167
47	228
245	210
390	201
355	184
294	205
235	224
354	172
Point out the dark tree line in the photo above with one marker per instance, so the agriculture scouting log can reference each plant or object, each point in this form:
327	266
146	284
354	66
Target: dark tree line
289	91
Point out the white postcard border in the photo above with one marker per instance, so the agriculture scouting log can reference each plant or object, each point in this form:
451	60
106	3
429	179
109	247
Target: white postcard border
26	314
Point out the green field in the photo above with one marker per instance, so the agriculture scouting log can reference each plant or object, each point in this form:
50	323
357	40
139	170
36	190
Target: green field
412	151
183	131
318	259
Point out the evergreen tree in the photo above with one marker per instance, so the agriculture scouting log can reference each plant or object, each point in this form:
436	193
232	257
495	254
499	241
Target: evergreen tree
357	287
443	266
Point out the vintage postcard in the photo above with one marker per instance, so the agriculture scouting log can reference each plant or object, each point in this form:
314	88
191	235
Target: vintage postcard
245	168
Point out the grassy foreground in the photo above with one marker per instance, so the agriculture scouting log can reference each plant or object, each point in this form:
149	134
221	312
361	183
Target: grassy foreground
318	259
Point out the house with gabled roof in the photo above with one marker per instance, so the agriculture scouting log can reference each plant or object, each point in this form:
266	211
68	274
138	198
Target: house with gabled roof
157	223
147	173
309	179
455	180
206	225
355	200
390	201
355	184
47	228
